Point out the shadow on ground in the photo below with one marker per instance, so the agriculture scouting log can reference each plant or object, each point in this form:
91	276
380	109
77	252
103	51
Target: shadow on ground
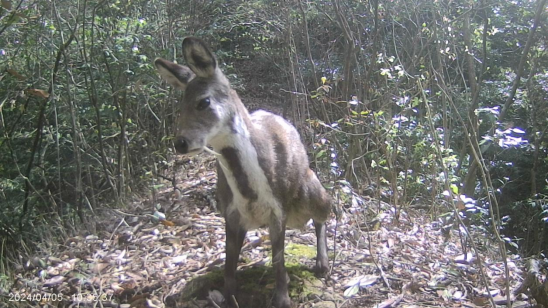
256	286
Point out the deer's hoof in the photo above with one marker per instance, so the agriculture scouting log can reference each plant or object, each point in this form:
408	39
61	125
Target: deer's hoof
282	302
321	270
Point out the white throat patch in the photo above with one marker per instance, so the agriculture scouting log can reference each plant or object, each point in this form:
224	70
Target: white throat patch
254	213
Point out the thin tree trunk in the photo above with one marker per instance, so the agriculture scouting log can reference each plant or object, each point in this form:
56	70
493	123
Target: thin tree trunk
92	93
523	59
475	88
38	133
307	45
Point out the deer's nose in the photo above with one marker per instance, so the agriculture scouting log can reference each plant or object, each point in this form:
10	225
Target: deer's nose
181	145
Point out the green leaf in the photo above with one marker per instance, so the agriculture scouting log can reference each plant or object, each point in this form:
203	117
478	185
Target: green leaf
320	154
353	290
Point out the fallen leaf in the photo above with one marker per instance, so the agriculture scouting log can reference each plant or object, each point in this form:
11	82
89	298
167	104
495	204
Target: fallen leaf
100	267
92	237
216	297
457	295
159	215
501	300
6	4
15	74
154	303
363	281
179	259
481	301
353	290
54	260
38	93
465	259
54	281
167	223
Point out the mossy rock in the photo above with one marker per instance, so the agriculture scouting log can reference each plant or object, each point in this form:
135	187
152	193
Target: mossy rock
256	285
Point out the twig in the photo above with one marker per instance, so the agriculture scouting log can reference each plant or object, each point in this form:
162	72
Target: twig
11	16
116	229
235	301
448	188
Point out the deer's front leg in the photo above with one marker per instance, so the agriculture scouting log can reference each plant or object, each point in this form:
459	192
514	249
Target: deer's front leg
235	235
322	265
277	237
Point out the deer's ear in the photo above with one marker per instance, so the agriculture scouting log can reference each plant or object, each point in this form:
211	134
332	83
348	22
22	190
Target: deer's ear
201	61
176	75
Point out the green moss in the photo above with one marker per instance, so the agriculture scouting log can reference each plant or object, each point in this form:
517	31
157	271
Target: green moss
294	253
199	287
300	250
303	283
256	285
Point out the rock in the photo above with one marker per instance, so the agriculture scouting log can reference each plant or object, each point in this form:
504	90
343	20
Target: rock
325	304
330	296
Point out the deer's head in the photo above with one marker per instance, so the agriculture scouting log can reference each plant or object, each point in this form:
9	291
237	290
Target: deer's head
208	106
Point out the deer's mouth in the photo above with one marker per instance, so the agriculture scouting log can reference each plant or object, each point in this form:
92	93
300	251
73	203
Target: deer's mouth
186	147
194	152
191	152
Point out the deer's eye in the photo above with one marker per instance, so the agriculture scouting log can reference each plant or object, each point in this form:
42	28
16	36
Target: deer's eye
203	104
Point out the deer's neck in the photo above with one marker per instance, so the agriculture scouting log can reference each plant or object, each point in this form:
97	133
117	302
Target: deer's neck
244	169
239	158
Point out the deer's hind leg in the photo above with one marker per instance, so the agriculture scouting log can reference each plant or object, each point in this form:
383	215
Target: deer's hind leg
277	238
320	203
322	265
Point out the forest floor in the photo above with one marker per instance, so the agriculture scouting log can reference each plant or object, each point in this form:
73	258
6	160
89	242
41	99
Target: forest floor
168	251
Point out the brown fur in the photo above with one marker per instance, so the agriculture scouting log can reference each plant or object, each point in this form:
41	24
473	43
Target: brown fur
263	171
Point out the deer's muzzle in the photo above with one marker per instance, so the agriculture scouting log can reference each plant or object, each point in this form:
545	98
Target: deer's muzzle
181	145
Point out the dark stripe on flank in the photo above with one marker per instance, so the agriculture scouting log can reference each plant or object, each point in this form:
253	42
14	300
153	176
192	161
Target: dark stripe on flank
235	165
282	158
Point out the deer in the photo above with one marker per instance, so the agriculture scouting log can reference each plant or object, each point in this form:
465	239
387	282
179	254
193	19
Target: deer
263	173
